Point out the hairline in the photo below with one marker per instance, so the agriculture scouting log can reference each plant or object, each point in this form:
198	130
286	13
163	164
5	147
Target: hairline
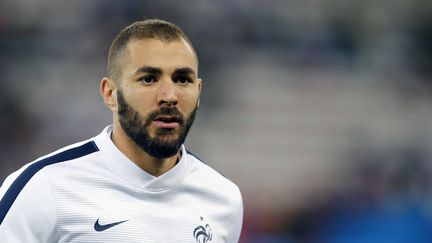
124	52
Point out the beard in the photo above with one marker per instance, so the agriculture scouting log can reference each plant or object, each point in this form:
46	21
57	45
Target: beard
165	143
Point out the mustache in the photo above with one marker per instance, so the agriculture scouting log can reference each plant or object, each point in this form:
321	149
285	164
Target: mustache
173	112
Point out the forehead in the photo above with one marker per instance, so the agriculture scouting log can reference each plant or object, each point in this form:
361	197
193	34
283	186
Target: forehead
160	54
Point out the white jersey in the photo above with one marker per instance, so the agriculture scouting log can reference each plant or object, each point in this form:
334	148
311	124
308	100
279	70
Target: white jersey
91	192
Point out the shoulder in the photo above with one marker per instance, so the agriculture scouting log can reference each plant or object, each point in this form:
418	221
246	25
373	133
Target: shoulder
208	177
31	171
72	152
221	193
30	183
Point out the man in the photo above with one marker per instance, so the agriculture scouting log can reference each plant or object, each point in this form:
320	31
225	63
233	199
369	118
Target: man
134	182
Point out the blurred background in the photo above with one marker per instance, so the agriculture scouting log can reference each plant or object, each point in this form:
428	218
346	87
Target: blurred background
320	110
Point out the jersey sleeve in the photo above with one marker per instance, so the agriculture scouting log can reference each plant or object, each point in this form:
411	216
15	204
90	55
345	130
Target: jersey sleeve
238	219
27	210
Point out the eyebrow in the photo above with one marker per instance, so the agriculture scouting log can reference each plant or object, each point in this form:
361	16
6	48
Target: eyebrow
184	71
158	71
147	69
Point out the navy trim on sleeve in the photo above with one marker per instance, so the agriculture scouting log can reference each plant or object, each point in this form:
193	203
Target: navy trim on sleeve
19	183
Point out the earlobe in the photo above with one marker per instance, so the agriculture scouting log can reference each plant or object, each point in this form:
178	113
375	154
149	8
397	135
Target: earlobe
108	91
199	94
199	85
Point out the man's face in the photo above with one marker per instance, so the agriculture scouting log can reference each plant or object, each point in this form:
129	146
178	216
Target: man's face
158	95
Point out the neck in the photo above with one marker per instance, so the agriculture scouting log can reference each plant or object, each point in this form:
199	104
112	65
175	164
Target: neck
152	165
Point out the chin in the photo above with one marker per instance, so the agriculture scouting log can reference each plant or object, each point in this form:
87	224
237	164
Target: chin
167	141
164	134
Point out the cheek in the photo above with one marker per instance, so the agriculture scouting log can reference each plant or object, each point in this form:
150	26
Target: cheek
190	102
142	101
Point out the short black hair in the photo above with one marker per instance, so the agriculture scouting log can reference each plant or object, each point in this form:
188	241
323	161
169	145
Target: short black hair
147	29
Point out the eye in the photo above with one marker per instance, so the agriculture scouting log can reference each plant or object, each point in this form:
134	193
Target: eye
148	79
182	79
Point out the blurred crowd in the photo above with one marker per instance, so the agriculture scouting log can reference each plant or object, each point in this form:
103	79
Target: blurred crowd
320	110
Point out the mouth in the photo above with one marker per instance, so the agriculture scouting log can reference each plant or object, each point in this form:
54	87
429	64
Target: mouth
167	122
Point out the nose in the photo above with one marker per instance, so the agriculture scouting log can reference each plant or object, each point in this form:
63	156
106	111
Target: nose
167	93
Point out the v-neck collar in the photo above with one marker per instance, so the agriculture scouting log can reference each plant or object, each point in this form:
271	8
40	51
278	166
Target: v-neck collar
129	171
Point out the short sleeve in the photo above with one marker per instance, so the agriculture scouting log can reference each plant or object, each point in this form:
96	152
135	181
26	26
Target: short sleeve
238	219
27	210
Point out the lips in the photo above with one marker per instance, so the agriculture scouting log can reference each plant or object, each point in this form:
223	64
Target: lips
167	122
167	119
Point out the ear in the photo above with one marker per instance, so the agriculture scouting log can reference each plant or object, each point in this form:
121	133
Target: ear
199	90
108	89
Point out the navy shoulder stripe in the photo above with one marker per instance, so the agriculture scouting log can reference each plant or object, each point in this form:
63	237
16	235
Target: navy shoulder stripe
19	183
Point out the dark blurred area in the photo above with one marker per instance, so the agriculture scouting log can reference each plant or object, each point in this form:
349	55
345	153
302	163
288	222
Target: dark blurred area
319	110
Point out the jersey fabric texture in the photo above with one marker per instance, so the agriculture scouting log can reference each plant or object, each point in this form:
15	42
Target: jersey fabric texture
91	192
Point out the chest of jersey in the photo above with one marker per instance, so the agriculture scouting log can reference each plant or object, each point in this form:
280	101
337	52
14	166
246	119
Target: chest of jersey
108	212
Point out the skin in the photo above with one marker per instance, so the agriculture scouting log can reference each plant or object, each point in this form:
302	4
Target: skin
147	92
